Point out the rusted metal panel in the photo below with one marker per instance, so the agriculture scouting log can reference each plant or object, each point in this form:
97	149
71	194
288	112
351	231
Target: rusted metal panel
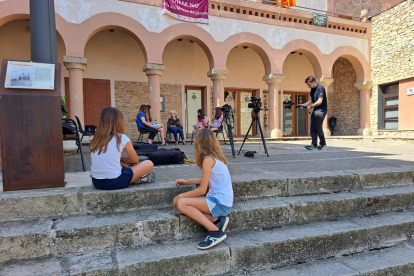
31	136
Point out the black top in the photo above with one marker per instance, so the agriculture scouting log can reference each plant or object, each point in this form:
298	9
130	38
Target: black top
171	122
315	94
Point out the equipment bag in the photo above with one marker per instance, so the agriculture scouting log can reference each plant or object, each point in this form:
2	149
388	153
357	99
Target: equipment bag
146	147
167	156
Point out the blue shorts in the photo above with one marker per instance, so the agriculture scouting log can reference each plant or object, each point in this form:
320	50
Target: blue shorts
120	182
216	208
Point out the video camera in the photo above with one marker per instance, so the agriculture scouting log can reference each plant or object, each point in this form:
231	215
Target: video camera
226	108
255	104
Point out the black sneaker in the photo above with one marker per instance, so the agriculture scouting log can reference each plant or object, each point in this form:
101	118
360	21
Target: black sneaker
147	178
221	223
213	238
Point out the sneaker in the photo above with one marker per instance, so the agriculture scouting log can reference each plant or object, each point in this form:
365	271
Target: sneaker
324	147
221	223
213	238
312	147
147	178
309	146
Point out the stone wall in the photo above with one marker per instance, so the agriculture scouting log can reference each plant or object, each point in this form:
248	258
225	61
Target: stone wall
130	95
355	7
391	50
343	103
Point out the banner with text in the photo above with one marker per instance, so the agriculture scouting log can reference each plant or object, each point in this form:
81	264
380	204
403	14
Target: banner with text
195	11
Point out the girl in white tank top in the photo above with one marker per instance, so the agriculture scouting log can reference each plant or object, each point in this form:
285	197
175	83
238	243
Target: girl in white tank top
210	211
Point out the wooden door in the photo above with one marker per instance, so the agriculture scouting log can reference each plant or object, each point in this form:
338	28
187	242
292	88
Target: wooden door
96	96
194	101
295	121
244	113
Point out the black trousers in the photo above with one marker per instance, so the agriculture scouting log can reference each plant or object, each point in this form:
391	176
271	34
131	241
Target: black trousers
152	132
317	118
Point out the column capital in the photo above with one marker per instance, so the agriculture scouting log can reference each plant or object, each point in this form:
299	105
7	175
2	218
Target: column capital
273	78
325	82
217	74
72	62
153	69
363	85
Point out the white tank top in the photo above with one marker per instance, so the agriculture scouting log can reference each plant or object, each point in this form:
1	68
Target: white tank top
220	184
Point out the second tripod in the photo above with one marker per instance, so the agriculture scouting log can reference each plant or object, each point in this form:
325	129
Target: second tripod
256	106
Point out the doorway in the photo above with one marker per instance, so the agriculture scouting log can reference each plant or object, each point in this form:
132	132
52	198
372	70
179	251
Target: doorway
238	99
96	96
295	120
194	101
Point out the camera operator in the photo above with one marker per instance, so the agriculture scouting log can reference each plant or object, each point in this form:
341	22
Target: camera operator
319	104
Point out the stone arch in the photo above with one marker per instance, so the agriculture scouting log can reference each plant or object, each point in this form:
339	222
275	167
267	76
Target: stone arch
190	32
308	49
255	42
106	21
355	57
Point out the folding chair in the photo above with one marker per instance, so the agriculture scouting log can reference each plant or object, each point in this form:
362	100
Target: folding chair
142	132
73	136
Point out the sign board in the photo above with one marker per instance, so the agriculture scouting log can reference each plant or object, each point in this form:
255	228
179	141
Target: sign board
319	20
29	75
195	11
410	91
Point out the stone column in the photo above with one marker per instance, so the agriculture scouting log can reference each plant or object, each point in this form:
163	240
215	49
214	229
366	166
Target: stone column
154	72
273	81
76	66
218	76
325	82
364	107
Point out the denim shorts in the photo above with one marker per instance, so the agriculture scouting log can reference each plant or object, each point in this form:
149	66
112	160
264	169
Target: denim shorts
120	182
216	208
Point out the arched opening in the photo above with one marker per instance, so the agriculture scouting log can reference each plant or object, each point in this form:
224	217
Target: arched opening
296	68
185	86
113	76
344	103
247	64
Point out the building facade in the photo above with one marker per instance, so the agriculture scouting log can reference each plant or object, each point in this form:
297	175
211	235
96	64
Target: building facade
127	53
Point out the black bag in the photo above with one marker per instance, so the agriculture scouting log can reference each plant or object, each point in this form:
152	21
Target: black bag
68	129
167	156
139	147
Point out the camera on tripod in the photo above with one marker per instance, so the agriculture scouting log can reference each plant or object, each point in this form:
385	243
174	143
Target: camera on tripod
226	109
255	104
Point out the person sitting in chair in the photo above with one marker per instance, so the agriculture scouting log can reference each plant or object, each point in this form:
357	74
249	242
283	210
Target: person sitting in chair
144	122
218	118
201	121
174	125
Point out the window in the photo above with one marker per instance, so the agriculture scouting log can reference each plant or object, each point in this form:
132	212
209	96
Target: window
162	102
390	106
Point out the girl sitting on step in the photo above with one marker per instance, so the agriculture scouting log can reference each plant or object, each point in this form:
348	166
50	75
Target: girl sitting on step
210	211
107	171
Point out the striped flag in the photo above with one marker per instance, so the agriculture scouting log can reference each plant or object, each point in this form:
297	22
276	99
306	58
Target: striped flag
287	3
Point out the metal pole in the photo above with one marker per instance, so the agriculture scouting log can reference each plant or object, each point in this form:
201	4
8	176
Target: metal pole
43	31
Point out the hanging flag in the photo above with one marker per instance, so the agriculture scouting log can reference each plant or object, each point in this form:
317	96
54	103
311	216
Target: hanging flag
195	11
288	3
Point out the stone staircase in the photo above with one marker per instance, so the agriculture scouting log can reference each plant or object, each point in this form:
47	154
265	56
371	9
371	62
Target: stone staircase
345	224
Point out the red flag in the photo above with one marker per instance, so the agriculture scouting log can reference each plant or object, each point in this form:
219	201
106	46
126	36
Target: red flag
288	3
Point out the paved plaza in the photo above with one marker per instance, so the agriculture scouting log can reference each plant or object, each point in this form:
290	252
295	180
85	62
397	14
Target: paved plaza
286	159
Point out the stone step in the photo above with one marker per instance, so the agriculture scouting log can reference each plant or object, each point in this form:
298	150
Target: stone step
47	237
288	245
60	202
396	261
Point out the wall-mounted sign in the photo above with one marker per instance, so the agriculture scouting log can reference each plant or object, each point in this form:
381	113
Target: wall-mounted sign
410	91
29	75
319	20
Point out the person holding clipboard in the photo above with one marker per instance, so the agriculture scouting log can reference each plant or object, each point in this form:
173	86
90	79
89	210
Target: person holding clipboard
201	121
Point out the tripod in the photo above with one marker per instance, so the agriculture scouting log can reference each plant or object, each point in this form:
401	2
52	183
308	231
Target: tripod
255	118
229	131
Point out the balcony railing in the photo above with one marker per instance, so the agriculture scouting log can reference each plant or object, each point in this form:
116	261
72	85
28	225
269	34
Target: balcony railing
302	17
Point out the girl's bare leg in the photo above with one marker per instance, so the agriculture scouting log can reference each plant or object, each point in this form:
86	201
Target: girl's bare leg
141	169
214	128
197	209
160	128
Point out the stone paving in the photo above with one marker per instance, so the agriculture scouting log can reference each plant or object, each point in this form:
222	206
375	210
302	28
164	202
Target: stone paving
286	160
